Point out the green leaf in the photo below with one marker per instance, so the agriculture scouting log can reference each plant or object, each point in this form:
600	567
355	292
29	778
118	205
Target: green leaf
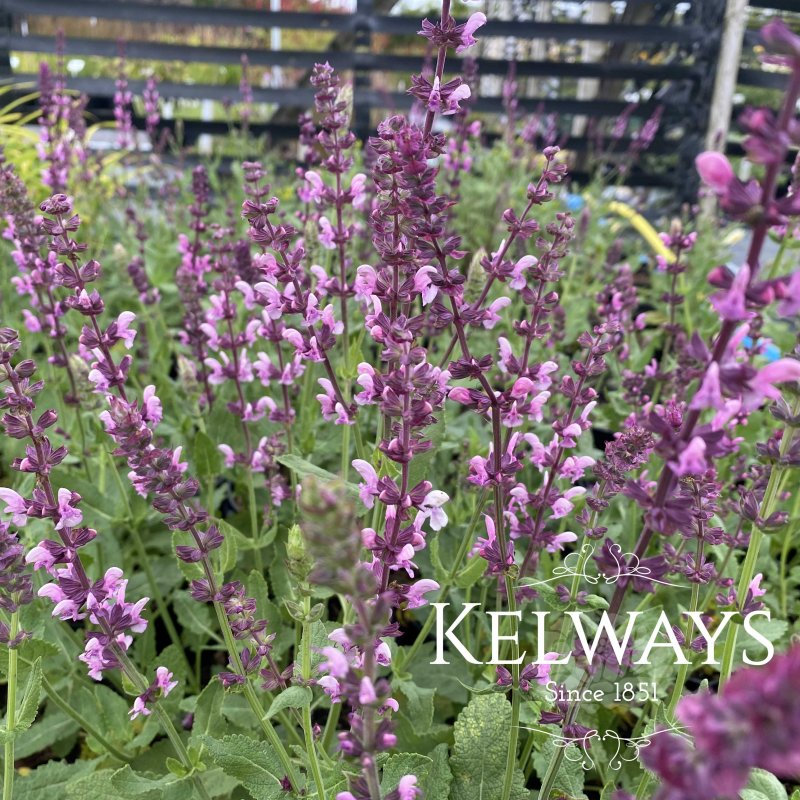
195	617
207	458
176	767
28	652
242	540
436	785
418	707
208	708
53	727
472	573
596	601
96	786
420	466
227	553
439	572
303	469
772	629
763	785
106	503
106	709
254	764
293	697
480	748
193	571
570	774
396	766
30	701
133	784
50	779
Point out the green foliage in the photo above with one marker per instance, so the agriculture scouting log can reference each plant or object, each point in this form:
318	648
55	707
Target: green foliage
252	763
481	734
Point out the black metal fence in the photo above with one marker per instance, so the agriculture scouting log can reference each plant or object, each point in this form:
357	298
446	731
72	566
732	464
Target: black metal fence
680	80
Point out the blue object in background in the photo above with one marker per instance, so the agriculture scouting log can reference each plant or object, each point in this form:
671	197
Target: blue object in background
771	351
575	202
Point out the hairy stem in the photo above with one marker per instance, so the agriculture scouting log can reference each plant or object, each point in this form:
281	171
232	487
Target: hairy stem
11	712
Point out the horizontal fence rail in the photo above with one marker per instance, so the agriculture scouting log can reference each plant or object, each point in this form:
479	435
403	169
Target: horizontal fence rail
679	82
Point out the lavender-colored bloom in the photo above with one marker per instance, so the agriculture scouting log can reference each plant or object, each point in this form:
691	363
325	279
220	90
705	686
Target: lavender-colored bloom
73	594
754	723
152	112
123	100
161	686
16	587
190	279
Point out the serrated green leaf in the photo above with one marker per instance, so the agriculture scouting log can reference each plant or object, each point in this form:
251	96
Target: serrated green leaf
436	785
293	697
763	785
420	465
225	556
570	777
195	617
472	572
401	764
773	630
30	702
439	572
176	767
254	764
50	779
207	458
52	728
130	784
480	749
30	650
303	469
96	786
208	708
418	705
597	602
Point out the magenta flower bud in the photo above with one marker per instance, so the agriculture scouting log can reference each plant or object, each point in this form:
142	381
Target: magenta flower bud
715	170
780	39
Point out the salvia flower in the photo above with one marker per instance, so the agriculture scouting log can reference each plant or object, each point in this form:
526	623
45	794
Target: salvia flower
73	594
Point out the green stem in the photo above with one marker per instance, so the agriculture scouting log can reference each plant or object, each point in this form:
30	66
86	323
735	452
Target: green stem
311	749
251	502
11	713
526	753
768	504
161	603
683	669
330	726
345	452
511	757
336	709
144	561
140	684
463	548
775	266
180	749
55	698
788	538
252	700
558	756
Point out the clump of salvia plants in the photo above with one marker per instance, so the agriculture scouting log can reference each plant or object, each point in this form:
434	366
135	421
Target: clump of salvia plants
320	490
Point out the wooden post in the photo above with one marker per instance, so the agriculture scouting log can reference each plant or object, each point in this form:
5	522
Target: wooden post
5	33
719	115
362	81
591	52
